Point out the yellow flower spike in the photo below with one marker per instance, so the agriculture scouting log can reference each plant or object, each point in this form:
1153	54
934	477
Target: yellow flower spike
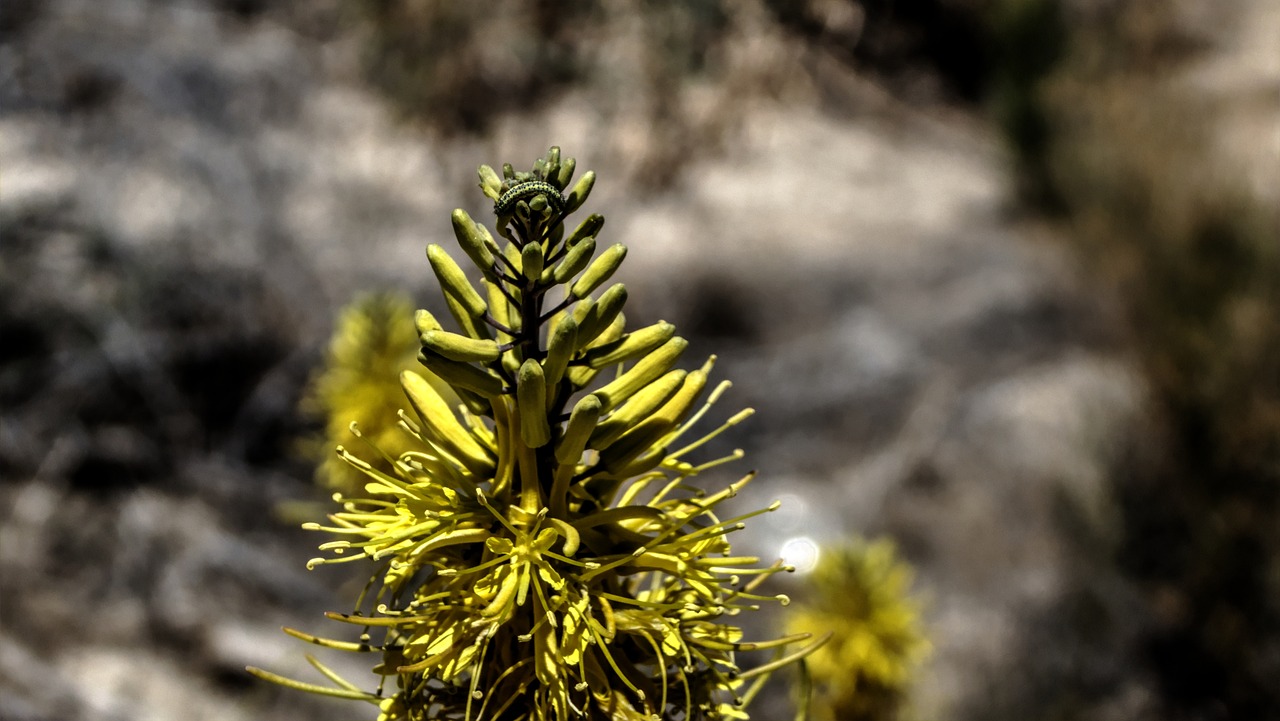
860	593
512	509
372	343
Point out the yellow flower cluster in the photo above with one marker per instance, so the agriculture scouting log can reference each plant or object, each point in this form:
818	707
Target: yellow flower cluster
541	552
859	594
372	344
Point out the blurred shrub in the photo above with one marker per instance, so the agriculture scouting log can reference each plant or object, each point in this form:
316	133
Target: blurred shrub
859	593
1028	39
1127	155
671	77
457	68
926	50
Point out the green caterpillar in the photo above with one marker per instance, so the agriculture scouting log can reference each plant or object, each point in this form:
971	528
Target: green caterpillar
526	191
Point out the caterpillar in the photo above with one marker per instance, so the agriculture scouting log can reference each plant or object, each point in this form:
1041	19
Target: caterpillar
526	191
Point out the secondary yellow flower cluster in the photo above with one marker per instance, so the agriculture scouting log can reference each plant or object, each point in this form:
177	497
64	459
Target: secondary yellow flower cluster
373	342
541	550
859	594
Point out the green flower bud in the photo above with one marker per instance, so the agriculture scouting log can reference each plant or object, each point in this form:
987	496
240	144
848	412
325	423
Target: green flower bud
531	260
531	399
424	321
560	347
459	347
469	324
635	343
461	374
599	271
575	260
441	426
639	407
588	228
454	282
582	421
473	243
566	173
600	314
580	192
490	183
644	372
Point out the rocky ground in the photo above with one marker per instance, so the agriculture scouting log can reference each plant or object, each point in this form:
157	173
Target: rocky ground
189	194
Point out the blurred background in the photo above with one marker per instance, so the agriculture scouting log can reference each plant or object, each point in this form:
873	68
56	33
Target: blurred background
1001	278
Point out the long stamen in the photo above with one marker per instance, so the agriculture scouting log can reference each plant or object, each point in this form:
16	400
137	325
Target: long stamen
497	683
604	648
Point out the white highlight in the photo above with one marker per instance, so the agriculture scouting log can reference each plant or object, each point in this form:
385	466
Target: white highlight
801	552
